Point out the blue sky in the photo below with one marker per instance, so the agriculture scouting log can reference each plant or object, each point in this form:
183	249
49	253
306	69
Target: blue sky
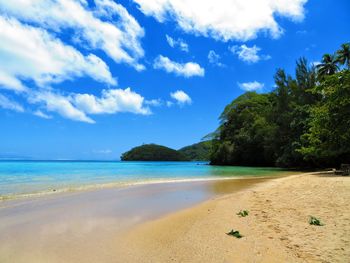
91	79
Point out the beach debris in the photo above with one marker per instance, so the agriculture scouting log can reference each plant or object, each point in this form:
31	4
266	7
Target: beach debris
243	213
315	221
234	233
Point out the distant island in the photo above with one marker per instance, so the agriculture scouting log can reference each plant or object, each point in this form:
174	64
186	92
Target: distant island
154	152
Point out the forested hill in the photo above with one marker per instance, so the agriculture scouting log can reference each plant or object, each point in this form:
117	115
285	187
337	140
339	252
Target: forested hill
153	152
303	122
198	151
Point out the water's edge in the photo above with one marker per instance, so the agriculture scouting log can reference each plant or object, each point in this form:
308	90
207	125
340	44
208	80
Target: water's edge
121	185
22	179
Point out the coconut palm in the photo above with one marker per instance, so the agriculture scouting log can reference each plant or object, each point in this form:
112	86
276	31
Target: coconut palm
328	65
343	55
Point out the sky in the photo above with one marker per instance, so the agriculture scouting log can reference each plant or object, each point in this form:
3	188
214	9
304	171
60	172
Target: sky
90	79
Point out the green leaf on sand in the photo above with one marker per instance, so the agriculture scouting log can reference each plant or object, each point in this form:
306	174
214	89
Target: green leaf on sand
243	213
315	221
234	233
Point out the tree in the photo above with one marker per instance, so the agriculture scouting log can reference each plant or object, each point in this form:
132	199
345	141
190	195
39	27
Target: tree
306	80
343	55
303	122
326	142
328	66
241	137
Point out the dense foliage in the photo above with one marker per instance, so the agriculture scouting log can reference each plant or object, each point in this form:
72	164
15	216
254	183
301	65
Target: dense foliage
198	151
303	122
153	152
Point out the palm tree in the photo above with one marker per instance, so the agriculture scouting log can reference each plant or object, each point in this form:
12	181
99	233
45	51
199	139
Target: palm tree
343	55
328	65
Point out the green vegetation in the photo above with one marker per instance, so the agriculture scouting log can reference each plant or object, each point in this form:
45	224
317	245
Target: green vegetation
197	152
234	234
303	122
315	221
153	152
243	213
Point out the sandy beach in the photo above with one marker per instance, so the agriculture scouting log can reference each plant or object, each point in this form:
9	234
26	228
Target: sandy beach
276	230
86	225
184	222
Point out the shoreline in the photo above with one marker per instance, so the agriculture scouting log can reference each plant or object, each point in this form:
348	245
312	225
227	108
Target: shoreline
84	226
184	222
127	184
276	229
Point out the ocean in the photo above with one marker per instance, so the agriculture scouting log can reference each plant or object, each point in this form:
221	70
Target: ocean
28	178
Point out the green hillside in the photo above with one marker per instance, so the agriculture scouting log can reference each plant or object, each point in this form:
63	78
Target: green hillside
153	152
198	151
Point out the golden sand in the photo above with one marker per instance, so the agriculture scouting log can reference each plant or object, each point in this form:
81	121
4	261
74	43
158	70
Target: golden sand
276	230
112	225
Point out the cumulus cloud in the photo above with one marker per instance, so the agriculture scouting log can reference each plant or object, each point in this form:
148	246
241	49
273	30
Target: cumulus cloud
181	97
226	19
177	43
251	86
111	101
33	54
214	58
78	106
8	81
60	104
189	69
37	56
248	54
9	104
108	26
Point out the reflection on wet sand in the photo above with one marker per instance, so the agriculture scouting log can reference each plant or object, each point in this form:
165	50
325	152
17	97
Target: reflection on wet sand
78	227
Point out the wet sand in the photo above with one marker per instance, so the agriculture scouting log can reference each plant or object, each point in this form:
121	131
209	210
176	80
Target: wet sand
88	226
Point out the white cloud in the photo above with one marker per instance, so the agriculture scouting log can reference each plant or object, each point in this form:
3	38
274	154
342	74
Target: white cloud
182	45
36	57
59	103
187	70
154	102
225	19
78	106
181	97
41	114
33	54
108	26
251	86
8	81
248	54
111	101
9	104
214	58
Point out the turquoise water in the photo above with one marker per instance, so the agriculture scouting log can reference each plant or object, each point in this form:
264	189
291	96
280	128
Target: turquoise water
27	177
